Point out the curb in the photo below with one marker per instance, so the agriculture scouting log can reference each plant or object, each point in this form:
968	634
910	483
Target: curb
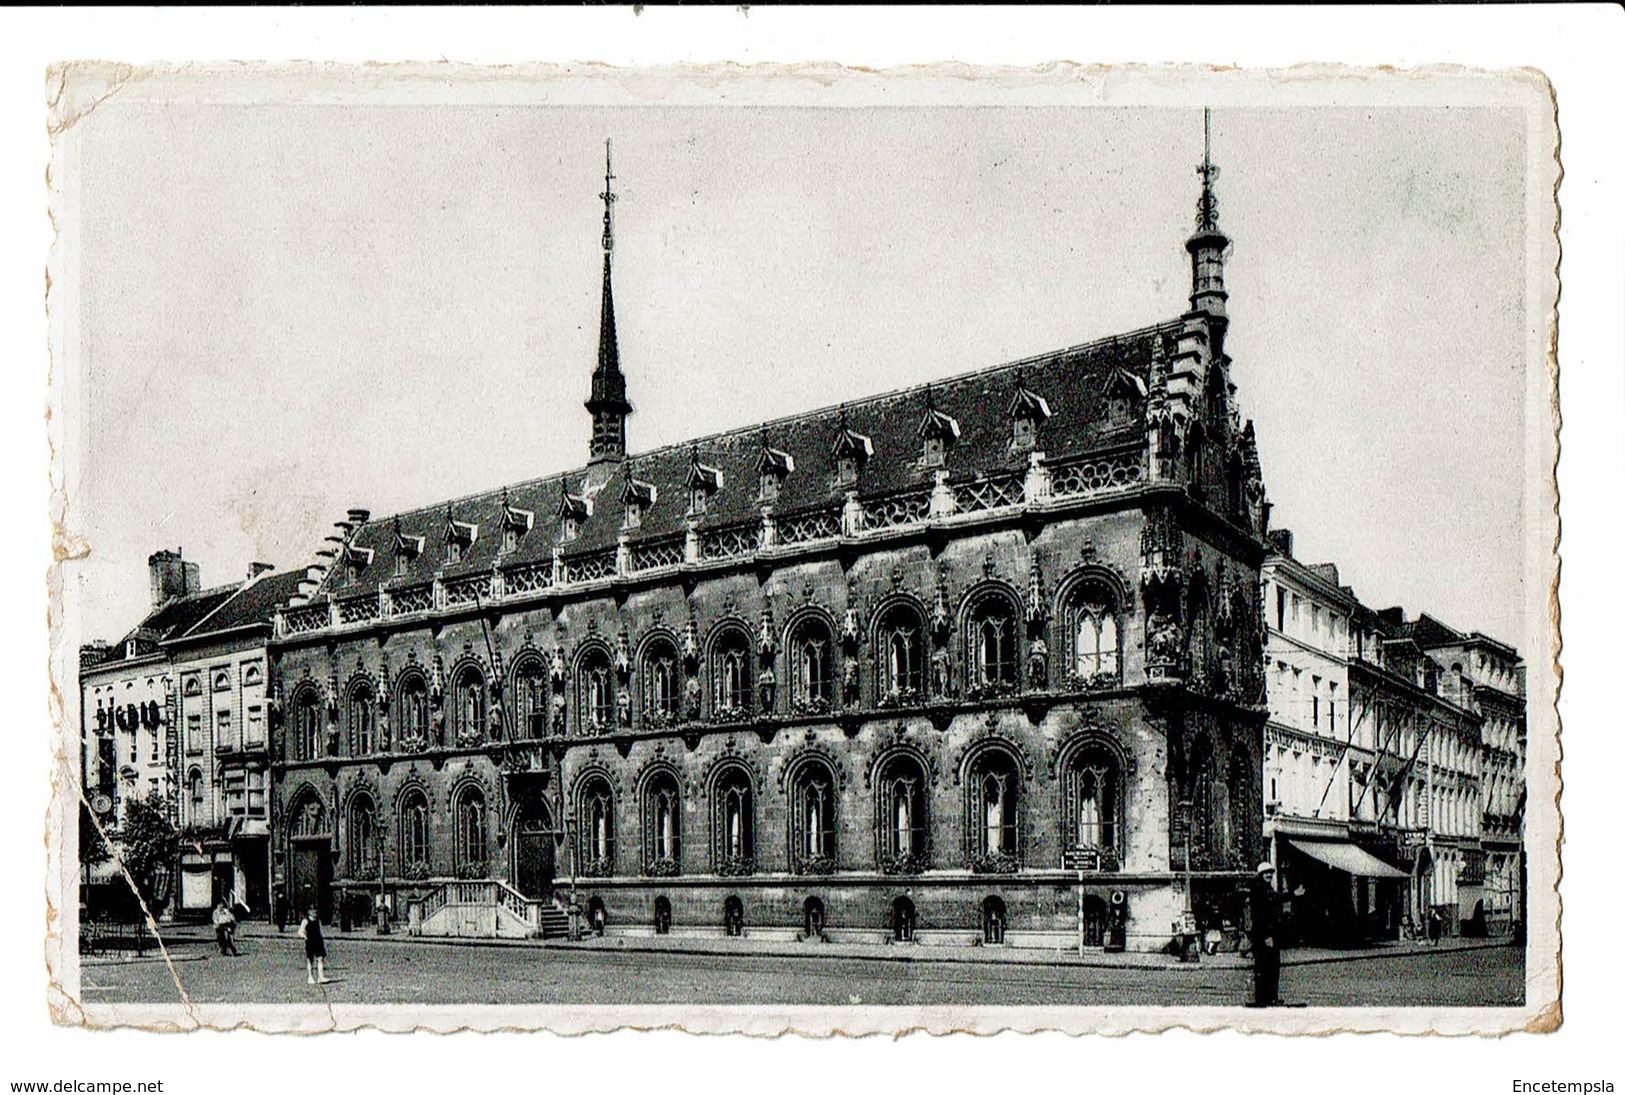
837	951
1420	952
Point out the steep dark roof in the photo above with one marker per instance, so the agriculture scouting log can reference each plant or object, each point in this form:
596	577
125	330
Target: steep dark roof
254	603
175	617
1074	383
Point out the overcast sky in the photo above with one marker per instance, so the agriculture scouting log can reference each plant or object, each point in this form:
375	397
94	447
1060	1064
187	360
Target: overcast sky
289	311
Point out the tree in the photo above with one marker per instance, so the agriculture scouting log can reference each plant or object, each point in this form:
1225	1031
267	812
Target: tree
146	843
92	846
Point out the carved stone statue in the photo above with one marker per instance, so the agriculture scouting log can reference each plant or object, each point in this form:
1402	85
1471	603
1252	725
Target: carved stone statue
623	708
766	687
1164	641
849	679
941	672
1038	664
691	697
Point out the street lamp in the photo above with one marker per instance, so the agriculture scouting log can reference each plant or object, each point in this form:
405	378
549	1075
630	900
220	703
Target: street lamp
575	906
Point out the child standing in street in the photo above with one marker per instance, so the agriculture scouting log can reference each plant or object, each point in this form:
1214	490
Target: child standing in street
310	930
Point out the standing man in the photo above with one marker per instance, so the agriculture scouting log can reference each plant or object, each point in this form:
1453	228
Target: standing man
1266	910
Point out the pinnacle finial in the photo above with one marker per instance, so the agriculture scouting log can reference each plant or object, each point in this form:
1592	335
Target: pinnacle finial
1207	206
608	197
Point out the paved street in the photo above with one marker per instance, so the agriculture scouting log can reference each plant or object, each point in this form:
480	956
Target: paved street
370	970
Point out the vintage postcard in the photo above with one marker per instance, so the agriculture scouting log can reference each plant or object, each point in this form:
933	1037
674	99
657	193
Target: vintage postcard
804	549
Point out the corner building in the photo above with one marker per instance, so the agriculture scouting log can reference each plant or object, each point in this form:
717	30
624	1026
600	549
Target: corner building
978	661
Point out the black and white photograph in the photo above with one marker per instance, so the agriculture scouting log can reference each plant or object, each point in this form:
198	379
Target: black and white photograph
572	551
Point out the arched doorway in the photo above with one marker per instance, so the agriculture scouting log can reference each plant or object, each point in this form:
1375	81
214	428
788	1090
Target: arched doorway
812	918
597	918
662	916
994	919
531	844
733	916
310	859
902	920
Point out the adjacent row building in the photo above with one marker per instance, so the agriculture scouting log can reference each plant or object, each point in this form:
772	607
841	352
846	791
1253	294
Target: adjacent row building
177	713
1393	766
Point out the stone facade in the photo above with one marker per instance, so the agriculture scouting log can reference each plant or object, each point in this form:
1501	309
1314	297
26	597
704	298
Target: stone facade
979	661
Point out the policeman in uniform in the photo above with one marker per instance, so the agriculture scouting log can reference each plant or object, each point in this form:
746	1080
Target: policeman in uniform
1266	910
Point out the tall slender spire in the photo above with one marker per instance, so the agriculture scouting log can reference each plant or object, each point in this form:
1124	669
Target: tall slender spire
607	403
1208	245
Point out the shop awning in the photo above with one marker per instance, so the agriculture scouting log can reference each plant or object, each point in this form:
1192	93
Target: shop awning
1346	857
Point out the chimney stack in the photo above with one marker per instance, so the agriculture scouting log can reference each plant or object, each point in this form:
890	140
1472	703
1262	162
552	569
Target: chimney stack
171	576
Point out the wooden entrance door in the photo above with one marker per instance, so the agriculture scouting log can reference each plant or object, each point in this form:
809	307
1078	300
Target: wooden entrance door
533	859
311	879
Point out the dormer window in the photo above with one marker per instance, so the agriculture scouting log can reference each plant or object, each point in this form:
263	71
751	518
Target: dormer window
515	523
637	498
702	482
937	432
1028	411
572	512
852	452
460	536
774	467
407	548
356	561
1125	394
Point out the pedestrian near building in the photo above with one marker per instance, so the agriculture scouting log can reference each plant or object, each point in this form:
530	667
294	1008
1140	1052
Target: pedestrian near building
225	927
310	930
1266	943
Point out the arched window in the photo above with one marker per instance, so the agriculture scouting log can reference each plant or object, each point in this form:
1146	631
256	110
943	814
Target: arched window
1092	792
730	675
468	705
412	711
468	834
811	667
990	645
733	823
363	735
900	647
1199	639
1203	819
812	819
1196	460
361	838
993	807
1234	480
904	817
596	693
662	825
530	695
662	683
1238	788
307	726
596	820
1094	634
309	819
194	794
413	832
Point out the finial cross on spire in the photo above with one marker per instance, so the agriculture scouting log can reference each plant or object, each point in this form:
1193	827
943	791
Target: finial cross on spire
1207	206
608	197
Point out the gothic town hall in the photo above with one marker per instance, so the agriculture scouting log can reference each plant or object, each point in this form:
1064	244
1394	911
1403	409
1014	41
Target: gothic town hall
975	662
